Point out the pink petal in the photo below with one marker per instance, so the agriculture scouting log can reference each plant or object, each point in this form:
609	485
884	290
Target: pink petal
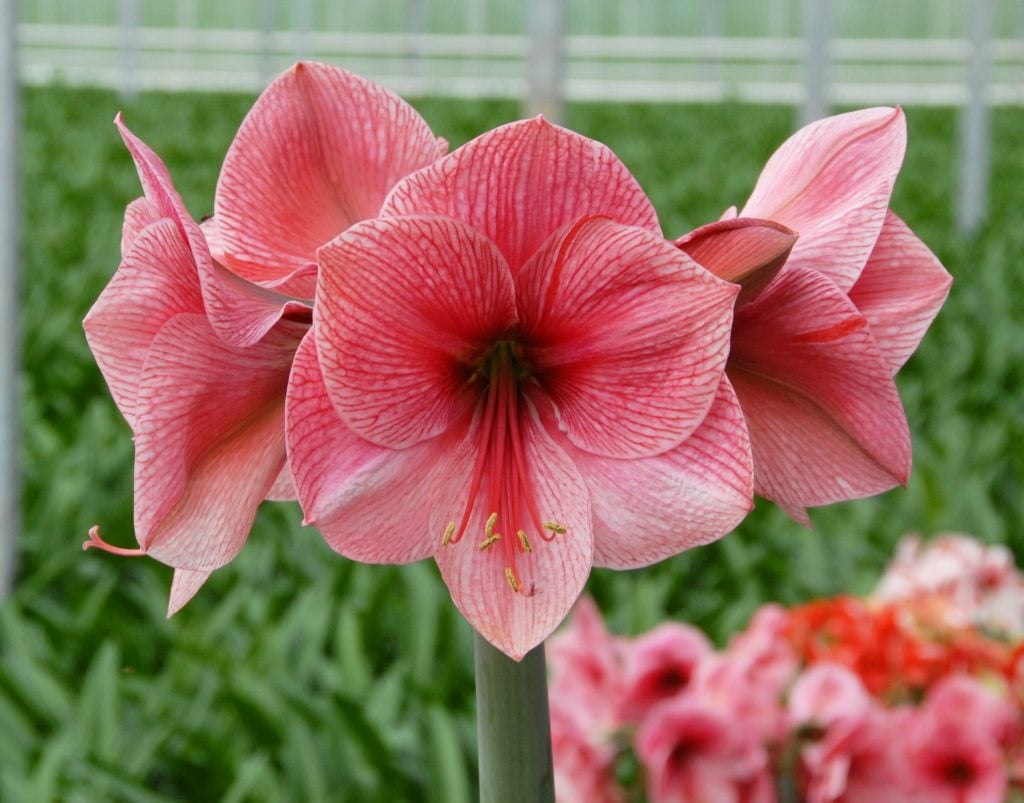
553	574
746	251
317	152
283	489
650	509
519	183
901	290
184	586
240	312
209	440
627	336
156	281
831	183
406	309
137	216
369	502
825	419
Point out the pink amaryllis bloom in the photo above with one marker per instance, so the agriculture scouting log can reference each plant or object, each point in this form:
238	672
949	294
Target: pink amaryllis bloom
659	666
695	751
196	332
513	372
837	293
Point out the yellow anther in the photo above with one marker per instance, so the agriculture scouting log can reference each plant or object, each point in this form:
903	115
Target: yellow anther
555	527
524	541
489	526
511	577
489	541
449	531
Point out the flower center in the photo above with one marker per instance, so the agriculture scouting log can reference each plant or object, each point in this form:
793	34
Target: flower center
502	464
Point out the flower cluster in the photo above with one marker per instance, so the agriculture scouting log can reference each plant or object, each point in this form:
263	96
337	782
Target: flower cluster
494	357
915	693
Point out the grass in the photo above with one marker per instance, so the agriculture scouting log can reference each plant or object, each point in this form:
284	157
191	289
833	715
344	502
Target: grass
297	675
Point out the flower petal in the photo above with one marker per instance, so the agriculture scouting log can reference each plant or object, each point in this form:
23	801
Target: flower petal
240	312
368	501
649	509
184	586
406	307
831	183
519	183
626	335
139	214
901	290
155	281
825	419
553	574
747	251
317	152
209	440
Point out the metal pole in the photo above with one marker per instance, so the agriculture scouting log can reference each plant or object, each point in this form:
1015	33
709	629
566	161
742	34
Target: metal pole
10	348
268	29
545	27
129	48
303	22
975	125
817	33
416	14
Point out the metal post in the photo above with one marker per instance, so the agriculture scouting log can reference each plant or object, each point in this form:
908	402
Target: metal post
545	27
303	22
10	350
712	27
975	127
817	33
129	48
416	14
268	29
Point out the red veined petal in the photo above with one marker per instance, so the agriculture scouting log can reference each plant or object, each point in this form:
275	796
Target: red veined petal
552	574
626	335
747	251
317	152
831	183
184	586
825	419
406	308
209	439
901	290
518	183
240	312
370	503
155	281
648	509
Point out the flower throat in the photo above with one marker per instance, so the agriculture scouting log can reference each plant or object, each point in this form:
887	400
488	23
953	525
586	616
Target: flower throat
501	461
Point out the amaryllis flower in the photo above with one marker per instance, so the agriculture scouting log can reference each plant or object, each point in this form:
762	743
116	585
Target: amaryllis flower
837	293
955	743
197	347
695	751
515	374
659	666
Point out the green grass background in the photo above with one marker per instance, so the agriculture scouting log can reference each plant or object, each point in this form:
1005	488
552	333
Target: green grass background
298	675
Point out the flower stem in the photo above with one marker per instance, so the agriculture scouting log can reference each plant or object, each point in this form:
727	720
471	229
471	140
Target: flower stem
513	728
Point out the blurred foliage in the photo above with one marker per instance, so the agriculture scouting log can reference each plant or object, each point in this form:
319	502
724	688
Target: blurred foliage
298	675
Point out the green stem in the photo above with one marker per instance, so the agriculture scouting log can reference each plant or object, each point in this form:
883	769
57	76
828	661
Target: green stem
513	726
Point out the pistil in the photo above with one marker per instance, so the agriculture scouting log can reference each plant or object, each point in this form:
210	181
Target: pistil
502	461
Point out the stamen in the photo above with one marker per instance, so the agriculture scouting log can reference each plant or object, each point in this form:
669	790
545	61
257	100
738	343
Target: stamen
449	531
524	541
489	526
489	541
512	581
99	543
555	527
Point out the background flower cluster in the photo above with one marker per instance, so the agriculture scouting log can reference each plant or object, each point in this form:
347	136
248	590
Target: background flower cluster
912	693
